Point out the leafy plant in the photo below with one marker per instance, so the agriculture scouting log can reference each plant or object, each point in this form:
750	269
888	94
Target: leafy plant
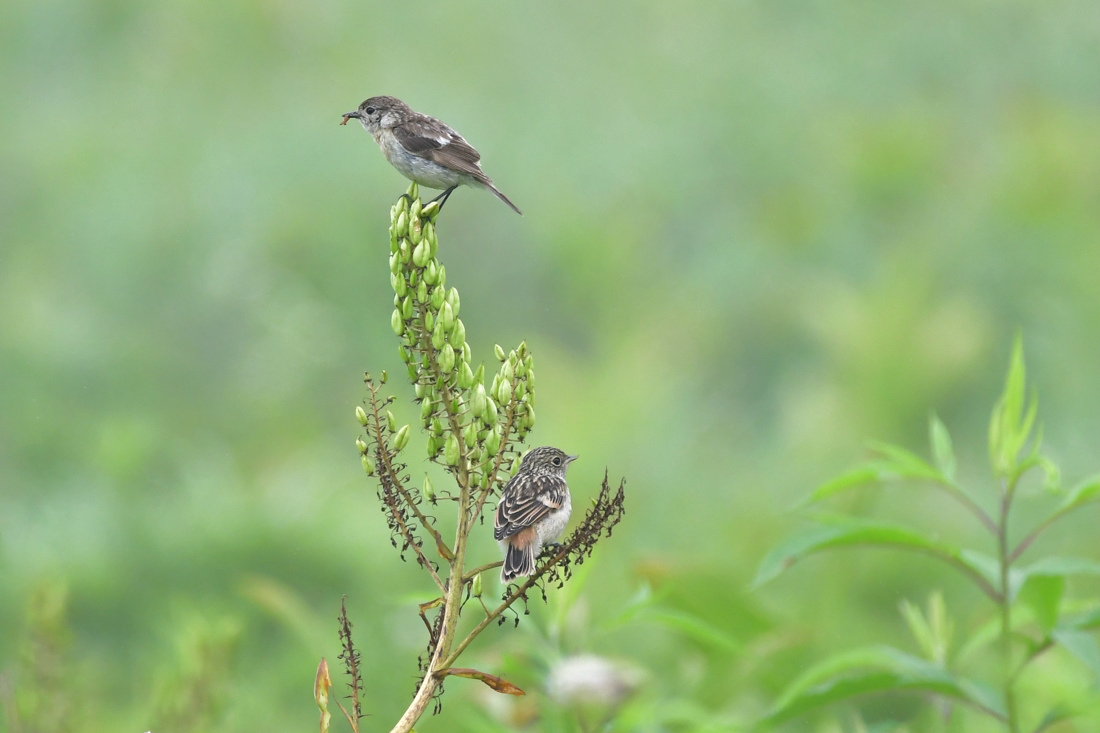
475	433
1028	614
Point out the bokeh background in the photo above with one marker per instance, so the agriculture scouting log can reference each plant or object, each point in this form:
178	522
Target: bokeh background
756	235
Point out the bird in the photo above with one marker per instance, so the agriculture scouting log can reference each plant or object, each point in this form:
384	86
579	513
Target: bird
422	148
533	510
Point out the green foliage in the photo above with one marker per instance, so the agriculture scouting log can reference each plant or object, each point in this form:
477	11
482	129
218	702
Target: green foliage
1029	613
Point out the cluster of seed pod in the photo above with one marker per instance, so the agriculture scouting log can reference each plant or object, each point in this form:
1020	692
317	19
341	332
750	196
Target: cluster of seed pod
468	425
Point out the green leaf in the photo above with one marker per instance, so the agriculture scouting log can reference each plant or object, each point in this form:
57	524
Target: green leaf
942	452
1082	645
1086	492
904	463
875	670
1011	423
862	475
847	532
1043	594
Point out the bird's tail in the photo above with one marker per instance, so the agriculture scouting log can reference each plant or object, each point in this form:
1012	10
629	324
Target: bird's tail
518	562
496	192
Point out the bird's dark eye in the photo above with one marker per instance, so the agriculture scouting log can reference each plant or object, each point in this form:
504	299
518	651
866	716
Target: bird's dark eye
557	461
369	110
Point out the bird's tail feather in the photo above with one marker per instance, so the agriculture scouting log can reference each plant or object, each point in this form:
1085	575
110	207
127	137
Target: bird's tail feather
502	197
517	563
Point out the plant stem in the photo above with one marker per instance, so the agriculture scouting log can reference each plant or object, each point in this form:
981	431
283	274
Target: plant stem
1005	558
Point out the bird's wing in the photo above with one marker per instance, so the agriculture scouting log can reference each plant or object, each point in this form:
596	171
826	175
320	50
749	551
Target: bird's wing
525	501
429	138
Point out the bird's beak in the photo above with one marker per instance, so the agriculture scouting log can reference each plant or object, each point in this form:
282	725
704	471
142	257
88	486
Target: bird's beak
570	459
350	115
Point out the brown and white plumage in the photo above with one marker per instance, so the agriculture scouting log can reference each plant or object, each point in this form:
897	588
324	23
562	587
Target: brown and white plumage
422	148
533	510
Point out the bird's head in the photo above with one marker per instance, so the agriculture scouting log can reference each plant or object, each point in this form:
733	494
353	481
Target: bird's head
546	460
378	113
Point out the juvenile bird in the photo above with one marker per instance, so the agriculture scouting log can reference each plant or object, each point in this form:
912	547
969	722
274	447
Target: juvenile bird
422	148
533	510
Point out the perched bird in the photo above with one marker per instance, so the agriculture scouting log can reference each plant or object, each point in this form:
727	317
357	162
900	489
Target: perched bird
533	510
422	148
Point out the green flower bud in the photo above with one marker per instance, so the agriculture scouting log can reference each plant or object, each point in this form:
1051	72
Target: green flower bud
529	360
405	251
531	379
452	298
447	315
521	389
429	320
492	443
398	284
456	404
479	375
433	446
415	233
442	275
403	352
447	358
475	475
437	426
426	412
438	336
498	351
490	411
394	211
402	438
422	292
407	307
496	384
515	465
413	194
421	254
412	371
391	421
475	586
414	209
504	391
529	418
361	445
382	379
465	375
430	210
395	263
507	371
368	465
512	357
450	450
429	489
522	348
414	277
478	400
420	389
360	415
431	272
396	300
467	353
469	435
437	298
396	322
429	234
458	334
402	227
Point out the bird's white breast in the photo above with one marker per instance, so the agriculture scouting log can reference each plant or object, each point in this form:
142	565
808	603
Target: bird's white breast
414	167
553	525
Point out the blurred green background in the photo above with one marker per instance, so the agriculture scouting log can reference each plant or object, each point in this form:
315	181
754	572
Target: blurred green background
756	234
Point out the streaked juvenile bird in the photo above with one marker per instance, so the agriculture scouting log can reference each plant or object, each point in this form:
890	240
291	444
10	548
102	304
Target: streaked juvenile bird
422	148
533	510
